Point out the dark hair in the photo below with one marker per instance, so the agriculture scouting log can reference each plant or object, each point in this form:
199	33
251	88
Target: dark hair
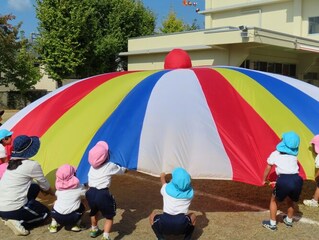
14	164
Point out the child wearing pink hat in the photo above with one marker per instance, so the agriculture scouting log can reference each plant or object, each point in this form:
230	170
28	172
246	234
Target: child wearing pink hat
177	197
68	208
314	201
99	180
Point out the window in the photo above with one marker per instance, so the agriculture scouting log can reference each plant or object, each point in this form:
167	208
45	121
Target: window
310	75
313	25
284	69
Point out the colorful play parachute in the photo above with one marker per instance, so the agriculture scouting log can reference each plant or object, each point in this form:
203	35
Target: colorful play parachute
216	122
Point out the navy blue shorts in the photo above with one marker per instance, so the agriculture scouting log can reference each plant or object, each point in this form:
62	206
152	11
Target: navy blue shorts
68	219
288	185
101	200
30	214
166	224
33	212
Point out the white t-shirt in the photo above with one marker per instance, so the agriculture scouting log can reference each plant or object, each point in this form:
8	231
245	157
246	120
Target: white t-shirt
69	200
285	163
101	177
174	206
317	161
14	184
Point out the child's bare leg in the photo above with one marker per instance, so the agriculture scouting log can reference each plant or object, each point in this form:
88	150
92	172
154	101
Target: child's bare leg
108	225
151	217
273	208
316	195
290	210
94	221
193	218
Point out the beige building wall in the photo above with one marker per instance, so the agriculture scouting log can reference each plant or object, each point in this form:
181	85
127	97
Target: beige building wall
46	82
285	16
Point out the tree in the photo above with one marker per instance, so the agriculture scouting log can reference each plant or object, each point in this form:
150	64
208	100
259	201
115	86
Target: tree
8	46
17	59
193	26
172	24
24	74
81	38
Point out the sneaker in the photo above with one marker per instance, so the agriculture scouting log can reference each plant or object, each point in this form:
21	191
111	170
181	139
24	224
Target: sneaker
16	227
288	224
94	233
53	228
76	228
266	224
106	238
310	203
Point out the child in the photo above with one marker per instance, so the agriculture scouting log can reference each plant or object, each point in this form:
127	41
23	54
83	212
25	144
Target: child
314	201
6	141
18	204
289	183
98	196
177	197
67	209
3	160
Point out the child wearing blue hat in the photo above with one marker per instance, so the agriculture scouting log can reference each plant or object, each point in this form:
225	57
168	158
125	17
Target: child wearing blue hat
289	183
6	141
177	197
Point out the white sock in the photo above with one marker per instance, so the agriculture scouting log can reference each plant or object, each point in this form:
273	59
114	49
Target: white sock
272	222
94	227
106	235
53	222
314	200
289	219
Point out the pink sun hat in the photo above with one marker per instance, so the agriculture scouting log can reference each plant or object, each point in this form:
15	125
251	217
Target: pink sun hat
98	154
65	178
315	142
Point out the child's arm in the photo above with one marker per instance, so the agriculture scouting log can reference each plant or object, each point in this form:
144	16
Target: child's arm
49	191
266	172
163	179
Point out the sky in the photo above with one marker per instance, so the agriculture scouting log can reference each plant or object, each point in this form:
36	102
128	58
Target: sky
24	11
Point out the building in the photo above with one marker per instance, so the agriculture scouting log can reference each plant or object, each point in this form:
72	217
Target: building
280	36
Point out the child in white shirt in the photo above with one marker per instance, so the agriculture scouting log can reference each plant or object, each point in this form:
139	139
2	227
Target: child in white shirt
177	197
288	184
99	180
314	201
68	208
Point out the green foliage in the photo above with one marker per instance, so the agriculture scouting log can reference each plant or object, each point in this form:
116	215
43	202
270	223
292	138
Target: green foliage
84	37
64	35
23	74
17	60
172	24
8	46
194	26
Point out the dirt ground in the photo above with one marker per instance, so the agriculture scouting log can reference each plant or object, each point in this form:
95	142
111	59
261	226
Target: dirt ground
225	210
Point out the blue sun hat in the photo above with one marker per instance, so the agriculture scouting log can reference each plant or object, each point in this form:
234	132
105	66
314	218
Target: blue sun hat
180	186
25	147
5	133
289	143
